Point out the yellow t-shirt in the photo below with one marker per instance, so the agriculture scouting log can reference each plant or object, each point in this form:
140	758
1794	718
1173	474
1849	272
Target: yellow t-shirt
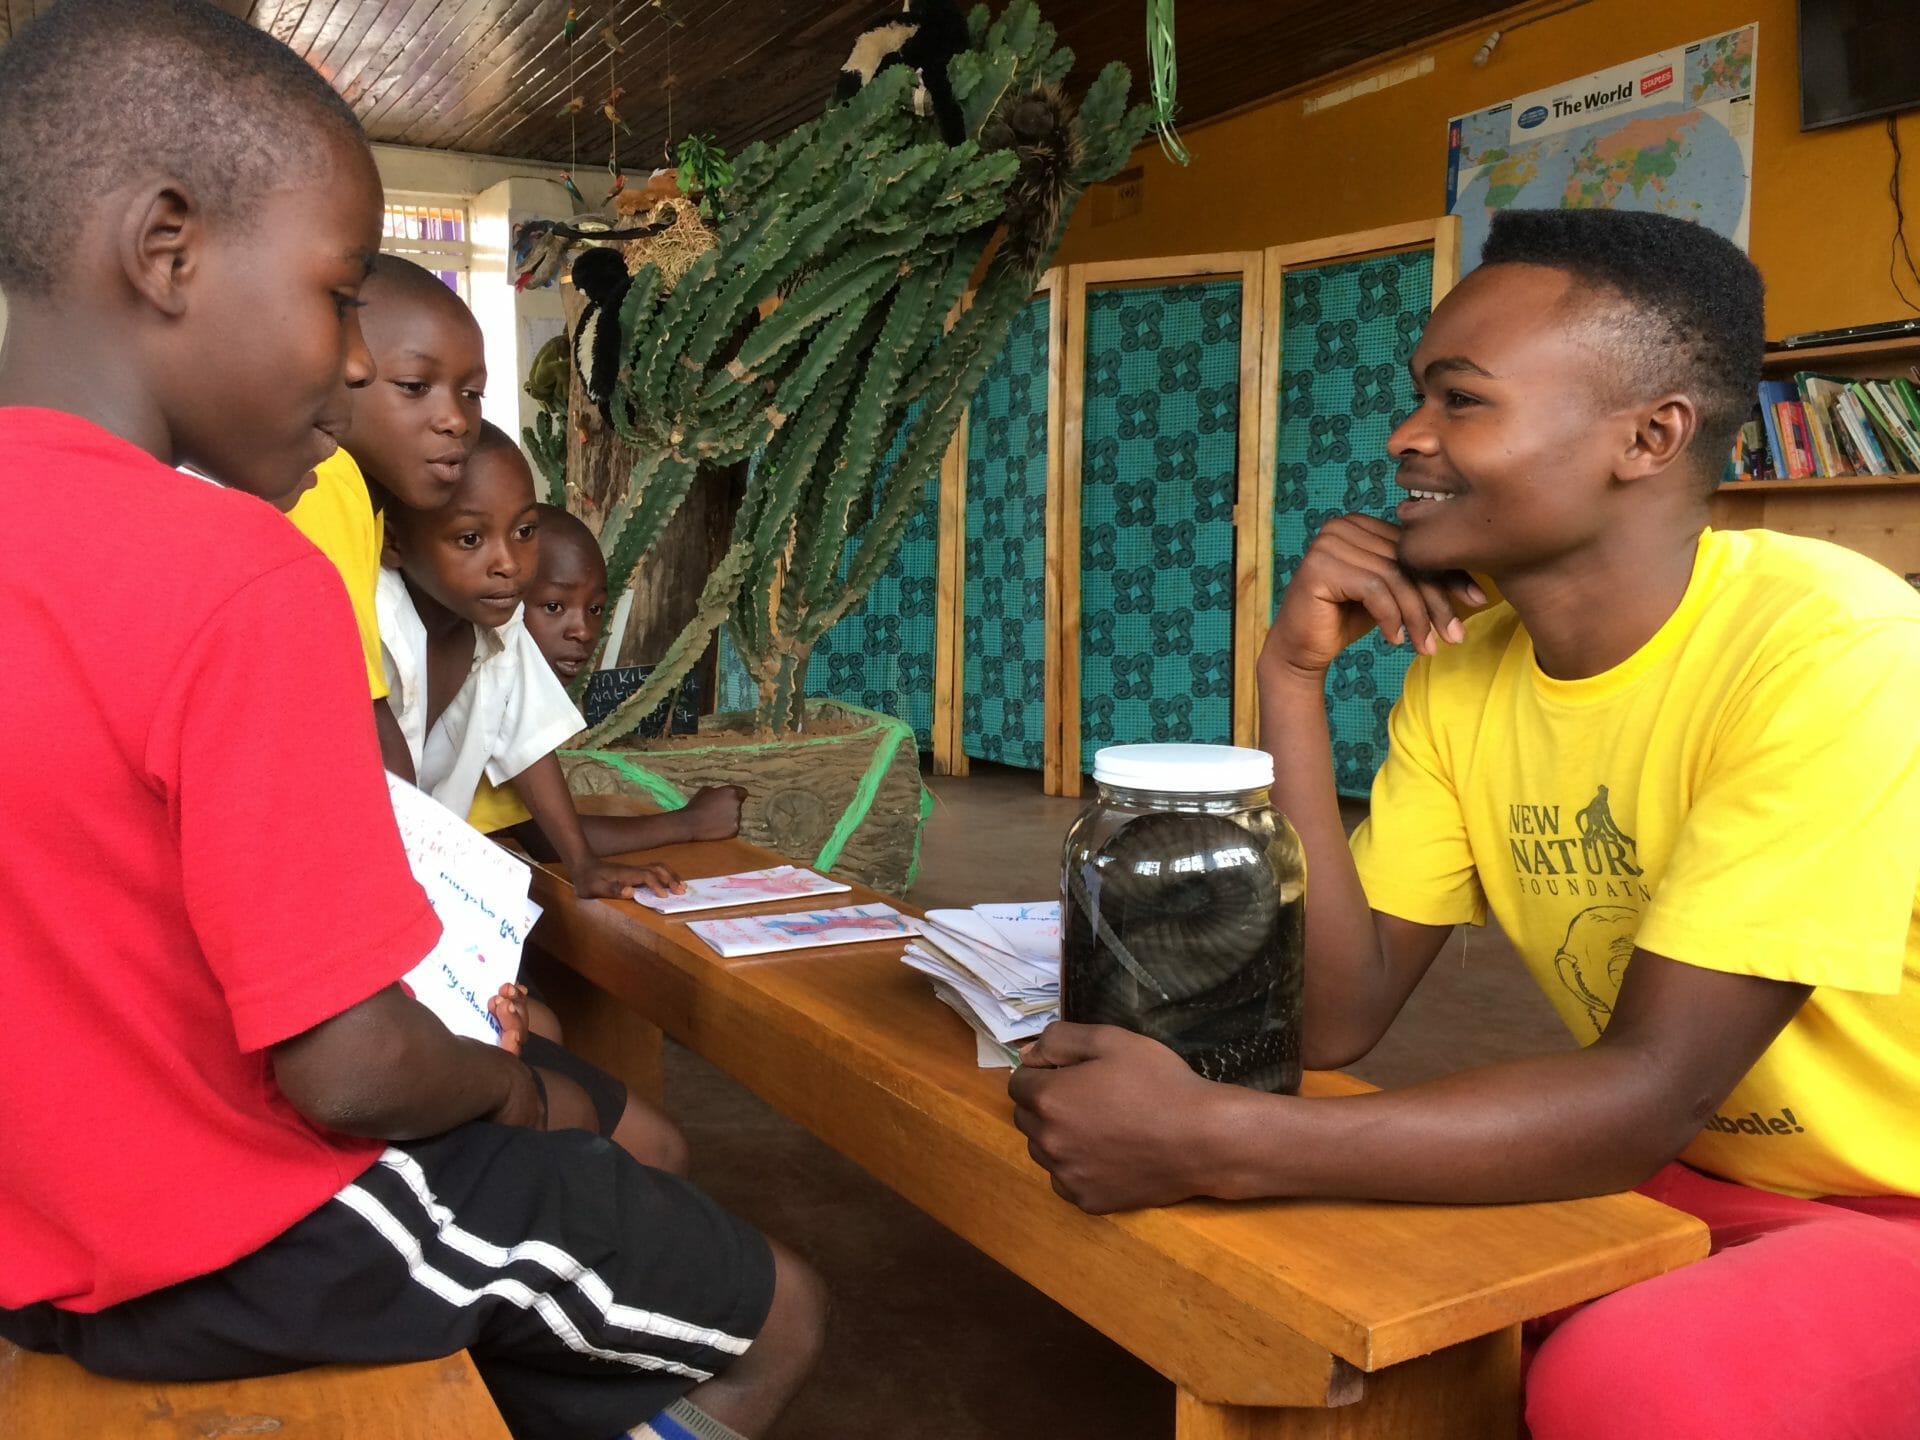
337	515
1741	794
496	807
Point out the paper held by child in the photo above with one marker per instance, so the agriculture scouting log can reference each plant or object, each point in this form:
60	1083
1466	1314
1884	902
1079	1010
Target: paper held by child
995	966
750	887
805	930
479	892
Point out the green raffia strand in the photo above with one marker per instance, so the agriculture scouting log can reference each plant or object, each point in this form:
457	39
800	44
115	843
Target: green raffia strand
866	230
919	832
662	791
1165	78
896	731
857	808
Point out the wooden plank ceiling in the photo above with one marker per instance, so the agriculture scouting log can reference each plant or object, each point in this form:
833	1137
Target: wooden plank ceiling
492	76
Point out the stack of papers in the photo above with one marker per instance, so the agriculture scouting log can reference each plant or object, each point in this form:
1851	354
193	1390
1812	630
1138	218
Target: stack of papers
479	892
749	887
769	934
997	967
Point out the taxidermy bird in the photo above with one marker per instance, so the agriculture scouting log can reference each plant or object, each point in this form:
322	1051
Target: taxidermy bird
1039	128
927	35
601	276
545	259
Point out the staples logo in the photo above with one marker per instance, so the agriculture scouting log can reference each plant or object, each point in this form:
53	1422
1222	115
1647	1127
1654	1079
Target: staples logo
1658	80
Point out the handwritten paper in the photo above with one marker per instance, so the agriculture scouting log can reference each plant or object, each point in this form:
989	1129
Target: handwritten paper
750	887
769	934
479	892
995	966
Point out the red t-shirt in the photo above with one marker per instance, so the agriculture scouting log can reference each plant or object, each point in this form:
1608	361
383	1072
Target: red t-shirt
201	861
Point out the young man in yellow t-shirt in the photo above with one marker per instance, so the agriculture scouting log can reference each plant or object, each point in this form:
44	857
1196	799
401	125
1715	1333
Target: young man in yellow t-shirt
1682	770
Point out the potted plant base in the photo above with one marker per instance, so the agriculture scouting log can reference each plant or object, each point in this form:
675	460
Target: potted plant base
845	797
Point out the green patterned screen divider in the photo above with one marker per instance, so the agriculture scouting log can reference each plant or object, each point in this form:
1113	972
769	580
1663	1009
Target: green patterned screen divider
880	655
1004	634
1161	452
1347	329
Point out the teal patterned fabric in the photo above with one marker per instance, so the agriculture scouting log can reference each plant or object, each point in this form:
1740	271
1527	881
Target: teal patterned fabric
1162	423
1346	332
1003	682
881	654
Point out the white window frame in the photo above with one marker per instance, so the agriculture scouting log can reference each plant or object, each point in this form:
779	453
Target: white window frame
399	235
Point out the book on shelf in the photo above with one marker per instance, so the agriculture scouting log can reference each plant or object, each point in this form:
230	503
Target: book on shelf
1829	427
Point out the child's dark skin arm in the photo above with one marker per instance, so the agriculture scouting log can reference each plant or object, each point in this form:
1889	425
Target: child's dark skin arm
712	814
542	788
1123	1122
387	1068
393	744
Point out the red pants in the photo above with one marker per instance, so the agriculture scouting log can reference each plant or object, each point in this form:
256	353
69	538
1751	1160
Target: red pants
1803	1324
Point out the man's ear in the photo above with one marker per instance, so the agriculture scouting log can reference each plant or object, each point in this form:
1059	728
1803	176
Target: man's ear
161	236
1662	432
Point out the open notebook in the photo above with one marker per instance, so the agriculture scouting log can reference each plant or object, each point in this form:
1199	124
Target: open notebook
805	930
750	887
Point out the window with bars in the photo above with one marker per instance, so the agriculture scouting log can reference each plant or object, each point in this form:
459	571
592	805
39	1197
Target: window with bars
433	231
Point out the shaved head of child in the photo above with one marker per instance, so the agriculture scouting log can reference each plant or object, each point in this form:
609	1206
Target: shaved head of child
567	602
194	250
475	556
415	426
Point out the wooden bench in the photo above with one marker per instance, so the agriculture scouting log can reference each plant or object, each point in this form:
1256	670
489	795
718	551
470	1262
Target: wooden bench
47	1397
1280	1319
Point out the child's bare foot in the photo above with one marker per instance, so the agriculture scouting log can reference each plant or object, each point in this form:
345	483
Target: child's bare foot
714	813
509	1012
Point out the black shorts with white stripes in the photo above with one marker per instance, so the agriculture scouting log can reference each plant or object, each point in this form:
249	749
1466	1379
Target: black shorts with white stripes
591	1291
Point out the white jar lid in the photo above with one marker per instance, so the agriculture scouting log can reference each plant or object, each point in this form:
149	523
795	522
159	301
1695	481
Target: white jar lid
1183	769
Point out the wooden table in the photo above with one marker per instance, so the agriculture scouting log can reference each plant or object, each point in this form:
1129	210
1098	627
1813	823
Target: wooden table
1276	1319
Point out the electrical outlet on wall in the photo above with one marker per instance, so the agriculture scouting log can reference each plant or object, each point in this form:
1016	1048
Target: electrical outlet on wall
1118	198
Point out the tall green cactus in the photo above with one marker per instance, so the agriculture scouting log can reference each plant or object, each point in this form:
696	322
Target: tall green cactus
813	340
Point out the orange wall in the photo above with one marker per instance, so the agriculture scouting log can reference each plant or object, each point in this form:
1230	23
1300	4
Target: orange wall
1820	225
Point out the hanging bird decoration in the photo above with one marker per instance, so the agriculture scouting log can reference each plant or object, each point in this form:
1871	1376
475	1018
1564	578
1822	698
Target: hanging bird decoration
573	191
544	257
925	37
571	25
600	275
612	110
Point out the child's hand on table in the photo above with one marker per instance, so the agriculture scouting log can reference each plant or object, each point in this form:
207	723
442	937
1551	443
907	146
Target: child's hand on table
714	813
611	880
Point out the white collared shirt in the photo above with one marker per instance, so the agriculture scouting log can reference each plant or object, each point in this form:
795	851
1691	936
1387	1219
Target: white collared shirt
511	712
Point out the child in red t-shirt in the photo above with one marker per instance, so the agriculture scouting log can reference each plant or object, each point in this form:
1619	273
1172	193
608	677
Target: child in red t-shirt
233	1144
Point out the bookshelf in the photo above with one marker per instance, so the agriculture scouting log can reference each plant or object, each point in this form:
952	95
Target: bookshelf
1878	515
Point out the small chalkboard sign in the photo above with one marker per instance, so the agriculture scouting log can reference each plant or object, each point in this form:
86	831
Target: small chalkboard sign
678	714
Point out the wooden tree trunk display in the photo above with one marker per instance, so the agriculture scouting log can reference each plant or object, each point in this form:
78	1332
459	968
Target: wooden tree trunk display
666	588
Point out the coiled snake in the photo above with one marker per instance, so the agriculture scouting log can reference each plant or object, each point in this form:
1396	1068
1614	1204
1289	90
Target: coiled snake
1177	927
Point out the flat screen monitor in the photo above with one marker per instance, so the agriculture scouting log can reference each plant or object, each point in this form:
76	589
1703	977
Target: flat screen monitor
1857	58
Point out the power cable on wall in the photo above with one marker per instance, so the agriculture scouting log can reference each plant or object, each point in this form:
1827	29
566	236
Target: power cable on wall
1902	248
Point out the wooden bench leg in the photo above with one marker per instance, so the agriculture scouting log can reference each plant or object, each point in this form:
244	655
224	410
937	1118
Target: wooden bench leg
1469	1392
598	1027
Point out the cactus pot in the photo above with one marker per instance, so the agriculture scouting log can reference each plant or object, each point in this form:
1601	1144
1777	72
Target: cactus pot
845	797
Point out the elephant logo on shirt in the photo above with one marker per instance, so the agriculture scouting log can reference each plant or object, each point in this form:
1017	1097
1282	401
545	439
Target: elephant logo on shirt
1592	960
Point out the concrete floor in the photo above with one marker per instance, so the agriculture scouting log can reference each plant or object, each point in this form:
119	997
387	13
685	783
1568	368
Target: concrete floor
929	1339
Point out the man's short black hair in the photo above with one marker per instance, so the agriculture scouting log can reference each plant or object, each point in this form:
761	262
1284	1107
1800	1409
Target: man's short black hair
95	93
1677	307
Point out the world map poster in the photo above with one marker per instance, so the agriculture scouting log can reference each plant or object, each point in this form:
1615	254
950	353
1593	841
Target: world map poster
1672	132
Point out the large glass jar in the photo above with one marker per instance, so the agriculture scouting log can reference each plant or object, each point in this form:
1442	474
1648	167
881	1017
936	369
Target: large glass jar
1184	902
